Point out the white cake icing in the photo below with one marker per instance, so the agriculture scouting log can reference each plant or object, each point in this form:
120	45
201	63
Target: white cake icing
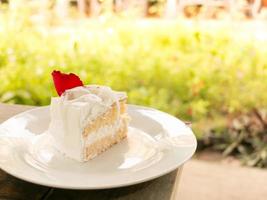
72	111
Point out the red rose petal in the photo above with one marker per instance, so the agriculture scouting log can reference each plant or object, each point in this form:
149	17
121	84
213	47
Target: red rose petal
64	82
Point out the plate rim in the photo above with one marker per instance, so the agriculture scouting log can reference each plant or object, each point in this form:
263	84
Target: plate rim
108	186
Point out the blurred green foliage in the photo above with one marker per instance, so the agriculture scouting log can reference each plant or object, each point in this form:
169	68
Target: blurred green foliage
192	72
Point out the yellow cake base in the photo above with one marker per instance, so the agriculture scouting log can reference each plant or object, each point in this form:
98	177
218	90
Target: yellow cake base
105	143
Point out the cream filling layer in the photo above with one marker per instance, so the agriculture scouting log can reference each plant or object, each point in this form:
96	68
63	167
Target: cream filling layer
101	133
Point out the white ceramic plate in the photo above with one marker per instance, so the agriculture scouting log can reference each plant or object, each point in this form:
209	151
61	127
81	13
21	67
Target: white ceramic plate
157	143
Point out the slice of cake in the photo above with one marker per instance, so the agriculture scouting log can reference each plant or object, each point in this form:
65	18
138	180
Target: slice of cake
87	120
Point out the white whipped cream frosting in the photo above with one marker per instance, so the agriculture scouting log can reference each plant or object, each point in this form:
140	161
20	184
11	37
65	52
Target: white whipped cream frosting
73	110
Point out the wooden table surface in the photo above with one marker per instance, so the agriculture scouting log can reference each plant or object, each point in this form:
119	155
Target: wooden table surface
163	188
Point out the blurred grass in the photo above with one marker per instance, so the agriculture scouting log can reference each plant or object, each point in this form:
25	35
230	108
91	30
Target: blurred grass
190	71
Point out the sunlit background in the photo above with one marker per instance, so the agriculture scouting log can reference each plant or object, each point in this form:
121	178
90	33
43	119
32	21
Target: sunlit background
202	61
